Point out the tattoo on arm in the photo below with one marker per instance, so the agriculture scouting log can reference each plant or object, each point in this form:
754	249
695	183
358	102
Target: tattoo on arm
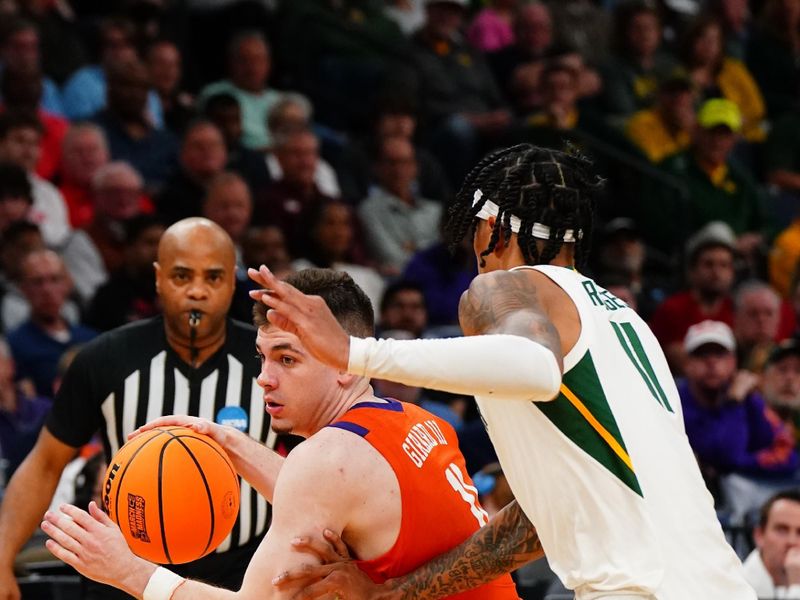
504	302
506	543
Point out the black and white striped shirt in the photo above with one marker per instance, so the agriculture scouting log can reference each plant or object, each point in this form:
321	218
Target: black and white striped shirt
130	376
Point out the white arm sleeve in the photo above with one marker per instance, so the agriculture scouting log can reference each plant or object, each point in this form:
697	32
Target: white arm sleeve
510	367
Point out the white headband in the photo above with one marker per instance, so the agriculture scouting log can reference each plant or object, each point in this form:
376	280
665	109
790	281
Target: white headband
539	231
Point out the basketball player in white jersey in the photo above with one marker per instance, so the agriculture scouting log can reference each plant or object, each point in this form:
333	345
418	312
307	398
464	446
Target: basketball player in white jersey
576	394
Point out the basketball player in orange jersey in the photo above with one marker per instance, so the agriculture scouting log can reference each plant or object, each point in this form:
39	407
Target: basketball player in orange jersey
387	476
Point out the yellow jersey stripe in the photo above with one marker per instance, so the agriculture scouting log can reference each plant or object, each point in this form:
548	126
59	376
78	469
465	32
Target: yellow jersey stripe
597	426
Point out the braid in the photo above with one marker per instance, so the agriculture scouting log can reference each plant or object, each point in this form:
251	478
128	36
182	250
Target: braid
536	185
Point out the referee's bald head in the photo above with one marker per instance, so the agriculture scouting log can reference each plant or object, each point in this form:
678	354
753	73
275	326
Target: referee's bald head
200	234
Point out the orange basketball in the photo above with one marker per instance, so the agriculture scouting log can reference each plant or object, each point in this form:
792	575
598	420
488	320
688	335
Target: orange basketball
174	494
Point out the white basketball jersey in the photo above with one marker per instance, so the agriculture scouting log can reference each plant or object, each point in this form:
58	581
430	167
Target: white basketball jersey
605	472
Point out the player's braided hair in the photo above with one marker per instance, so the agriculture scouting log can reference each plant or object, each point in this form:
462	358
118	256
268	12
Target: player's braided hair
537	185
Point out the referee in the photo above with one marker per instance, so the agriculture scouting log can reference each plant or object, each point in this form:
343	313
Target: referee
193	360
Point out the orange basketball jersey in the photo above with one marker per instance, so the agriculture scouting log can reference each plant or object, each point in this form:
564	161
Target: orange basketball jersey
439	501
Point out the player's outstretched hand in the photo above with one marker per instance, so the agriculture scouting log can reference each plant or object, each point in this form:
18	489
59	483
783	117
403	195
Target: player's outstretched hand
336	577
196	424
307	317
93	544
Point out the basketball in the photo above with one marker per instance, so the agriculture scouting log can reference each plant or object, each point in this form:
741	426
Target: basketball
174	494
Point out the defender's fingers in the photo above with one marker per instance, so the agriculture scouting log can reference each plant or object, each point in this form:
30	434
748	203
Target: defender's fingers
302	573
339	546
322	549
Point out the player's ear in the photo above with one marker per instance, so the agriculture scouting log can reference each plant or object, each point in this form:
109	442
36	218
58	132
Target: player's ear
157	269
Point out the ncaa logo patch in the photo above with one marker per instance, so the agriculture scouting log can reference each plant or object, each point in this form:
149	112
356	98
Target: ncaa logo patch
233	416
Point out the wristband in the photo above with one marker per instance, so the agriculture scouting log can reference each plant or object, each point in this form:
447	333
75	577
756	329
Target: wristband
162	585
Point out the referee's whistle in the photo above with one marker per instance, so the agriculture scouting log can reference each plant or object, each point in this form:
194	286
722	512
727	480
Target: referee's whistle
194	318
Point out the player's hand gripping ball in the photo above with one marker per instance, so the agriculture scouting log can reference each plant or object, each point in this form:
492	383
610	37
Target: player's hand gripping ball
174	494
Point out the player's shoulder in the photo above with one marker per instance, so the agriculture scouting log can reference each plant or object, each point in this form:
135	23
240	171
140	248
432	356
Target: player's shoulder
335	455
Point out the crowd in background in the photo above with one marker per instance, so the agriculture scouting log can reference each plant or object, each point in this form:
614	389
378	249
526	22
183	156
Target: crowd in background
333	133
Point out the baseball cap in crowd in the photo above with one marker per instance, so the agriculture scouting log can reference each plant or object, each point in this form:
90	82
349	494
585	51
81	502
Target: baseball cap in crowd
786	348
709	332
715	233
718	112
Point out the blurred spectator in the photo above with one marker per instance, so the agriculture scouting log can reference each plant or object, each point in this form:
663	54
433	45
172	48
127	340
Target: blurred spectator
631	76
19	240
725	417
16	196
491	29
85	150
165	65
533	33
38	344
266	246
757	320
285	201
559	118
117	194
249	66
203	156
86	92
294	111
21	90
716	75
60	40
582	25
395	115
666	128
710	276
20	143
224	111
397	222
622	261
228	203
21	415
773	55
735	17
780	384
130	134
408	14
19	51
403	308
443	276
773	567
459	96
332	244
130	293
782	167
719	189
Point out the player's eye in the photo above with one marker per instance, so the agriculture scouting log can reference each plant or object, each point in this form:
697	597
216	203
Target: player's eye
287	361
